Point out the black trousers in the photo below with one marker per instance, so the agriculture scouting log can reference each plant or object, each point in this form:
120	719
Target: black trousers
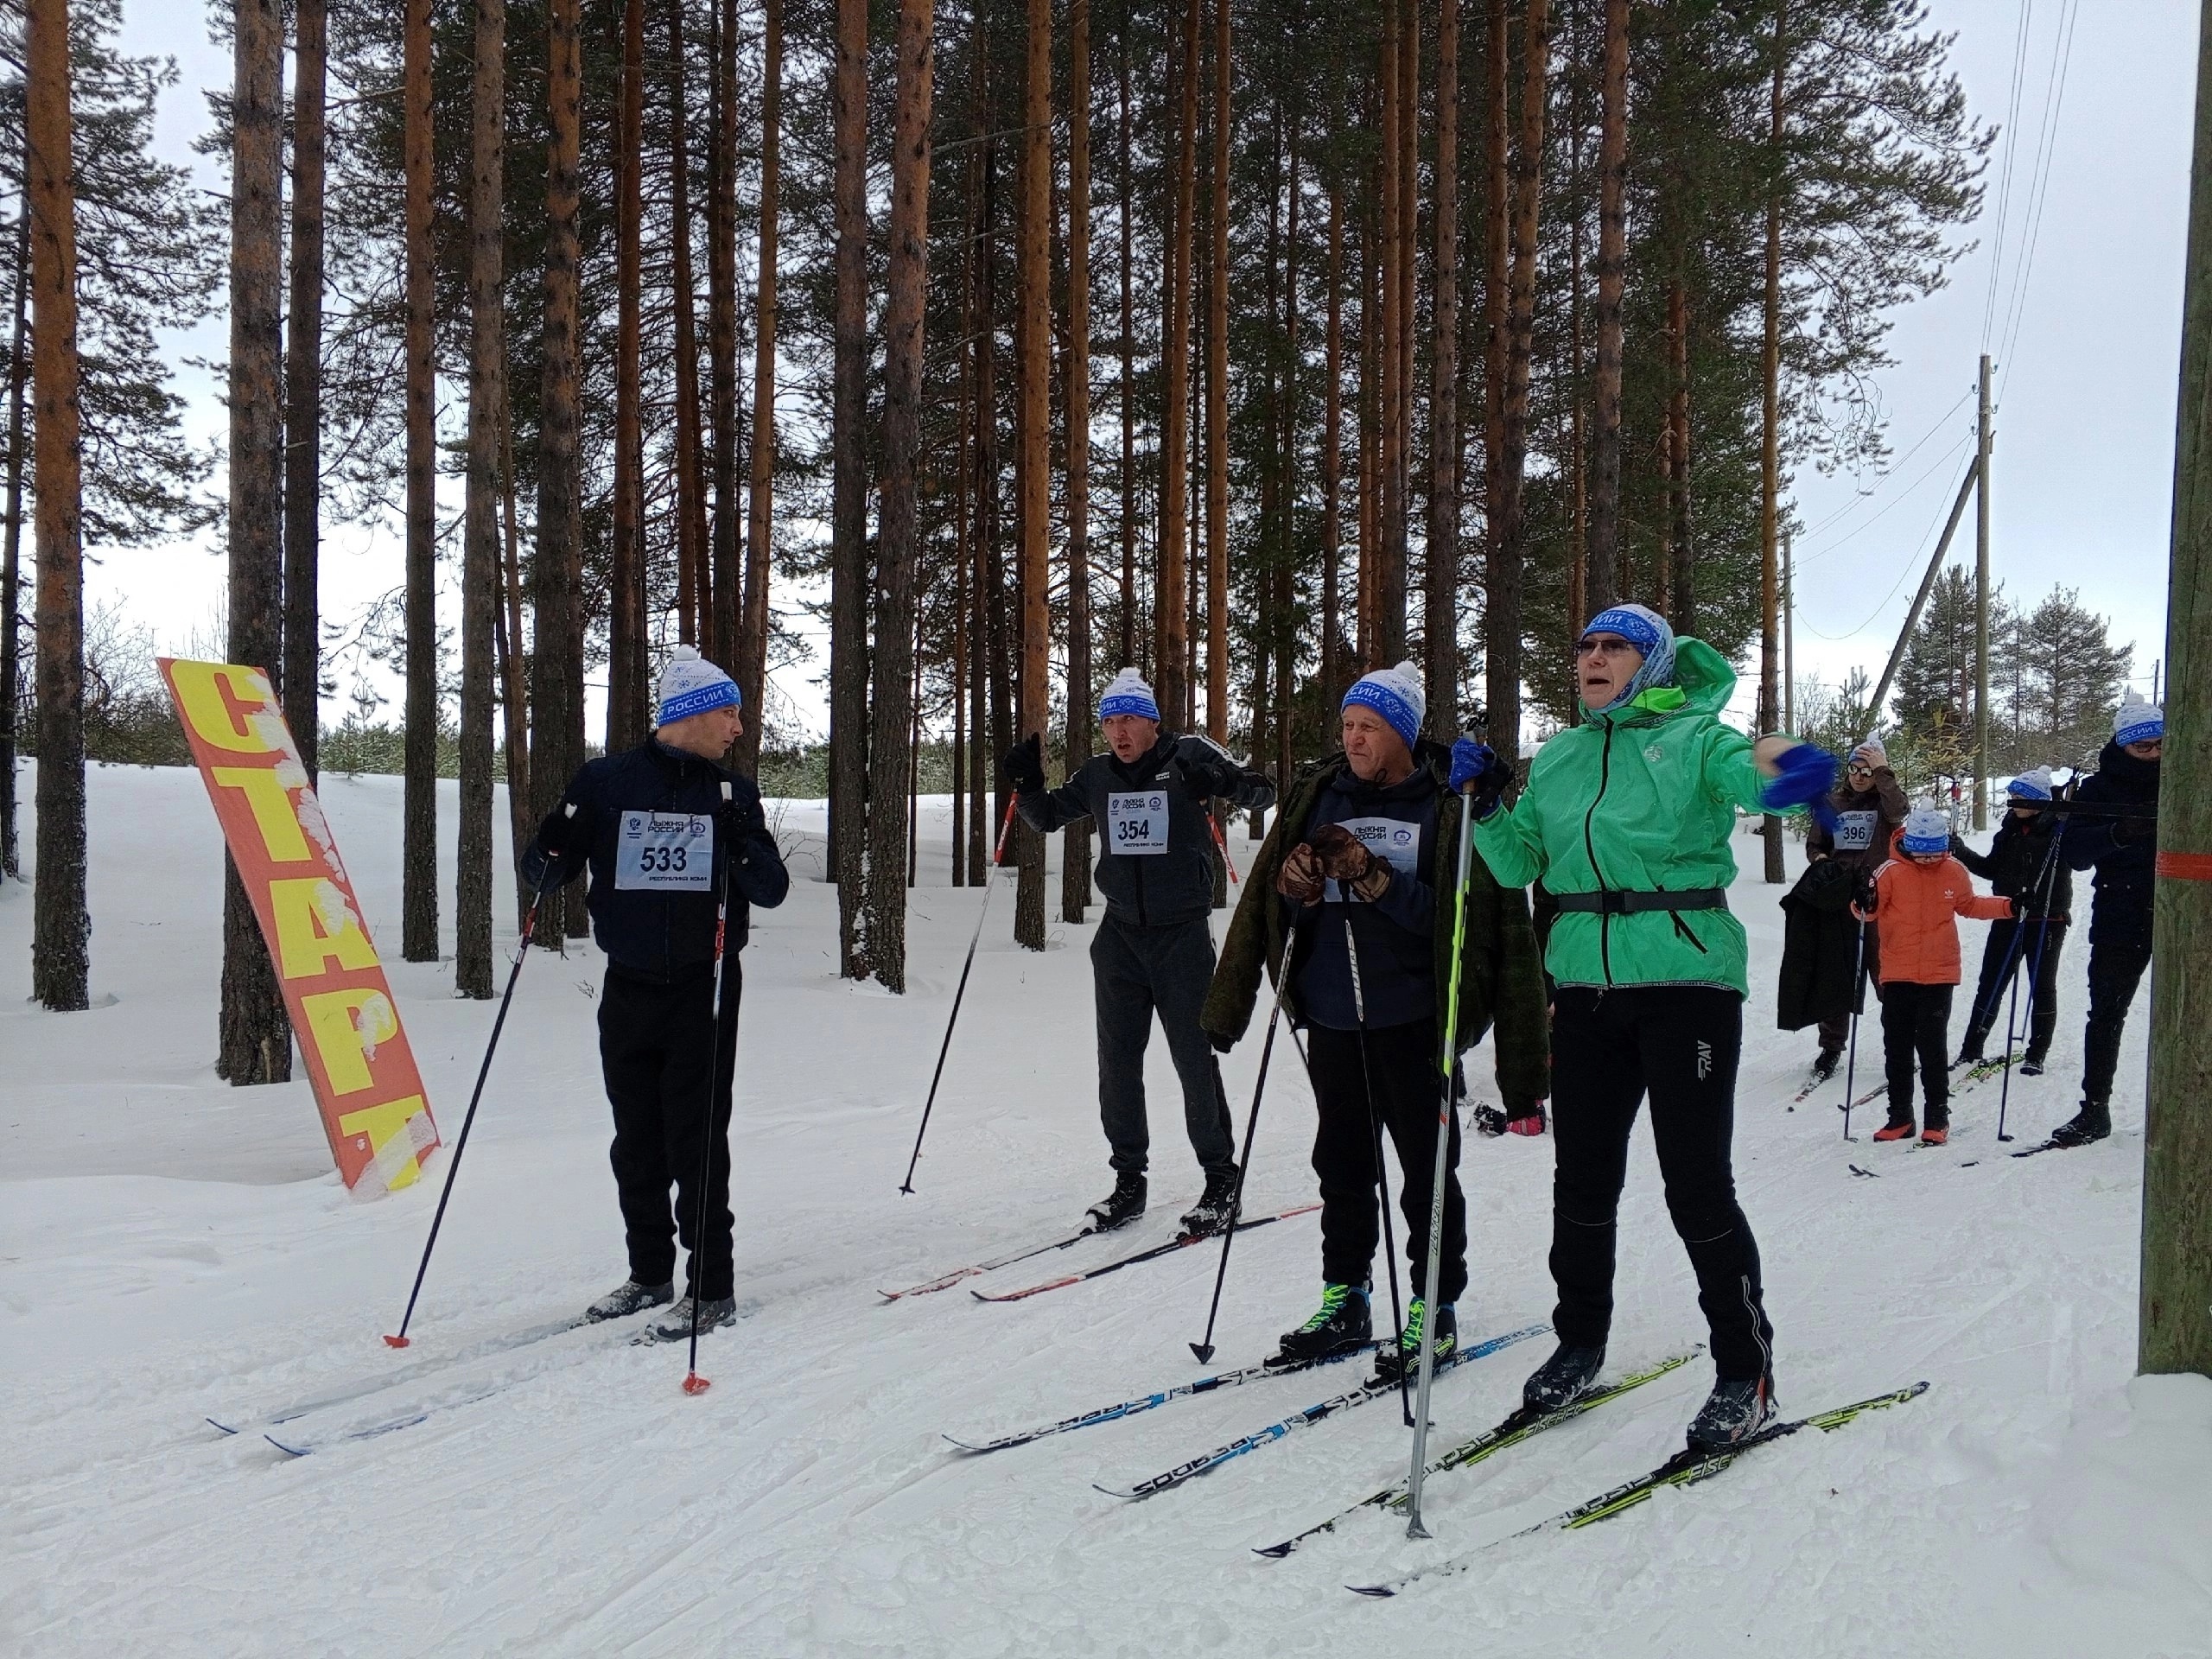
1837	1032
1917	1022
1408	1092
1679	1044
657	1046
1996	975
2115	970
1136	971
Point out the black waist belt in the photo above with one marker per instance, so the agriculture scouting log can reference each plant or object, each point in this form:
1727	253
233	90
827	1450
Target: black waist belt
1622	902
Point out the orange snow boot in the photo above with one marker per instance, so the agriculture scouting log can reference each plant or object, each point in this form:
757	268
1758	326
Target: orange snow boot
1897	1128
1934	1134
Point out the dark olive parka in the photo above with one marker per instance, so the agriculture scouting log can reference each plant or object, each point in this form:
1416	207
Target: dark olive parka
1501	973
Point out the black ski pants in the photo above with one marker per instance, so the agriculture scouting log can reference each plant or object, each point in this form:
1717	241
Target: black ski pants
2115	970
1679	1044
2000	960
657	1046
1835	1032
1136	971
1401	1060
1916	1023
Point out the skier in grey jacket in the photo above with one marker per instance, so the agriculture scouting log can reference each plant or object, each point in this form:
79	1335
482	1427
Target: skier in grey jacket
1149	794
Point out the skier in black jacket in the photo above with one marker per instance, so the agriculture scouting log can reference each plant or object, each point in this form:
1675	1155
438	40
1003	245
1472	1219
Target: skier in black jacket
2122	844
2019	866
659	825
1149	795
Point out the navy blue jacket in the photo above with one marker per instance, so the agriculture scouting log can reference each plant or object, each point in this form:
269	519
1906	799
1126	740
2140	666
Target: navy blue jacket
2015	861
652	933
2123	851
1395	934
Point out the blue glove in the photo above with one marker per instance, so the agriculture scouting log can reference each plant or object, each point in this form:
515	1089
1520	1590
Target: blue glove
1478	764
1806	776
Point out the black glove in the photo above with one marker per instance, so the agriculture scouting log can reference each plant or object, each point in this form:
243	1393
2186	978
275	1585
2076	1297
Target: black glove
1025	764
1221	1040
1210	777
1868	893
741	819
556	834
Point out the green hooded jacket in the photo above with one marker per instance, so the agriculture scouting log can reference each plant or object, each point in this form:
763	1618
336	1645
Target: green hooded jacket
1642	799
1501	977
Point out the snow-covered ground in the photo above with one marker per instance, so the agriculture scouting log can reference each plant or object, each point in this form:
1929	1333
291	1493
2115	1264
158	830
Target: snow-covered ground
170	1247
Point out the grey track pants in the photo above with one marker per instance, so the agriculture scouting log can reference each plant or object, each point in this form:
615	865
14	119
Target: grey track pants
1136	971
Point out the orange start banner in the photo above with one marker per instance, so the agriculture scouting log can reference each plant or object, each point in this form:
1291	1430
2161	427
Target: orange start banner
373	1108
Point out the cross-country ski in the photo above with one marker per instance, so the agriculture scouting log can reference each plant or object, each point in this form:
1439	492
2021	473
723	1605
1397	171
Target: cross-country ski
1180	1241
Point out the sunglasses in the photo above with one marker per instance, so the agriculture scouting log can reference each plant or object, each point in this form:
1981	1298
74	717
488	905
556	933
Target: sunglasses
1857	771
1603	645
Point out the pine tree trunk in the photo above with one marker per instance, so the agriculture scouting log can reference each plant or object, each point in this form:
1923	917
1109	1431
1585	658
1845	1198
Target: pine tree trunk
506	639
11	603
1332	460
302	676
1683	615
1075	840
1170	606
1394	646
254	1041
1286	493
1034	421
1386	638
1578	566
892	742
626	721
723	578
694	581
1217	396
1371	375
849	568
1125	193
996	675
963	657
752	633
61	924
1604	535
556	662
1769	711
1441	623
480	516
1510	558
419	811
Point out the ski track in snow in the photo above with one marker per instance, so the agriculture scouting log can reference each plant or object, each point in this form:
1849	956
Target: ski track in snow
171	1248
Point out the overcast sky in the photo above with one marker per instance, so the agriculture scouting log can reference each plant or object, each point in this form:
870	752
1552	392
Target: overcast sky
2080	304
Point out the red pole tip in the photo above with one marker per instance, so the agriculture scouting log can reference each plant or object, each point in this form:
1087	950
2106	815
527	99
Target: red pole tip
396	1342
694	1383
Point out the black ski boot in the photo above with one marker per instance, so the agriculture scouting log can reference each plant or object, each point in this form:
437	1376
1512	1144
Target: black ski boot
2092	1122
675	1326
1121	1206
1490	1120
1825	1063
1402	1359
1569	1374
1970	1051
2032	1066
1737	1408
1341	1325
628	1297
1215	1208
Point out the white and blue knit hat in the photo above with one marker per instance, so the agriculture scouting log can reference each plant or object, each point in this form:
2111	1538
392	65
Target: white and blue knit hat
1927	829
1394	693
691	685
2033	785
1651	633
2137	723
1128	694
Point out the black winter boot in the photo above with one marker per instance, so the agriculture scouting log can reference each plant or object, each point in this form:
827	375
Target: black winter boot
1121	1206
1341	1324
628	1297
1216	1205
1737	1409
1569	1374
2092	1122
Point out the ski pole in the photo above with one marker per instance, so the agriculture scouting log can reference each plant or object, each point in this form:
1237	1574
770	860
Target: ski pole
1227	862
1381	1179
693	1383
1858	996
2047	880
998	858
529	927
1446	1120
1204	1349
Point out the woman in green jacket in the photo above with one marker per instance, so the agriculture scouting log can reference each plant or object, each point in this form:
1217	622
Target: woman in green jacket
1627	819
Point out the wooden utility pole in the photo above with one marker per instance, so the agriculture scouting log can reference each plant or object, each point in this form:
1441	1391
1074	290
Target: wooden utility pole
418	872
1033	425
2175	1320
1982	607
1770	431
61	924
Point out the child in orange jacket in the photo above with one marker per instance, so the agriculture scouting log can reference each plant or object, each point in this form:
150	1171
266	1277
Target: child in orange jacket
1919	895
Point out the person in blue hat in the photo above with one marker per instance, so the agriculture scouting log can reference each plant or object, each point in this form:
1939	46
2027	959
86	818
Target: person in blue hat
657	834
2115	833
